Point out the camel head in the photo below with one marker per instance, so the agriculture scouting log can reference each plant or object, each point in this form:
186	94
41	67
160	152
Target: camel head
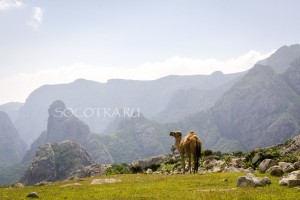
176	134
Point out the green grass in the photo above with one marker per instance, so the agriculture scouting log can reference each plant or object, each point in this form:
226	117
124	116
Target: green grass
141	186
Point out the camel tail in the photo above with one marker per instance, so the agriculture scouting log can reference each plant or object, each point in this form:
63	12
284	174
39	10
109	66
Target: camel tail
197	156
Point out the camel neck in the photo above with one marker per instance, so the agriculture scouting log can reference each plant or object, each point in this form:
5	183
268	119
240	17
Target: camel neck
177	143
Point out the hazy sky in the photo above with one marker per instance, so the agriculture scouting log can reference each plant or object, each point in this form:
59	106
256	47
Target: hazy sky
58	41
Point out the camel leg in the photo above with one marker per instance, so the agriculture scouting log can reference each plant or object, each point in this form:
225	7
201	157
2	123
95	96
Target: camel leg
190	167
183	163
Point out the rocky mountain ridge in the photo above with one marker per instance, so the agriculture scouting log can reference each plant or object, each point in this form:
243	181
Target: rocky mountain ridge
11	145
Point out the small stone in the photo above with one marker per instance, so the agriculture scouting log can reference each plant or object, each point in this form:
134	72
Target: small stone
43	183
106	180
33	195
71	184
149	171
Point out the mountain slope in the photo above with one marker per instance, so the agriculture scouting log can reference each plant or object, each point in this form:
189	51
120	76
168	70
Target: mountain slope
12	109
258	106
150	97
11	146
260	110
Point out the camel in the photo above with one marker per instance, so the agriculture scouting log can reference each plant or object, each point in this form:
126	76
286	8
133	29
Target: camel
189	145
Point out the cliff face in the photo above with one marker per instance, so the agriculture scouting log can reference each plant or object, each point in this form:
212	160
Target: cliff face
11	146
55	162
64	126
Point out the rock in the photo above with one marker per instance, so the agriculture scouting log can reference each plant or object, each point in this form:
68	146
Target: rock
71	184
291	180
216	169
18	185
43	183
252	181
55	162
296	165
33	195
256	158
107	180
286	167
266	164
293	147
149	171
275	171
91	170
236	162
232	169
148	161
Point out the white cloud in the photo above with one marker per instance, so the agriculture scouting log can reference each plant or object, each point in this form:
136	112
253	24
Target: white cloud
36	18
8	4
18	87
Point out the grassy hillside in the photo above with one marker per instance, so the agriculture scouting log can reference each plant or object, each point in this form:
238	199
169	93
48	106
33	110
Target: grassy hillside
140	186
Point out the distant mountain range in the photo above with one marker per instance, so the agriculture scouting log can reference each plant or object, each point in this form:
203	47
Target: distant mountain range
152	98
230	112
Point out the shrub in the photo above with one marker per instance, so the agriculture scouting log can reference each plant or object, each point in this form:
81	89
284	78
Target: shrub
136	169
117	169
207	152
153	167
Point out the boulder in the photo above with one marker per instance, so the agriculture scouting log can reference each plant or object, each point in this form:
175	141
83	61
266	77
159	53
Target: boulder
18	185
266	164
252	181
149	171
275	171
286	167
236	162
296	165
91	170
55	162
148	161
291	180
232	169
256	158
33	195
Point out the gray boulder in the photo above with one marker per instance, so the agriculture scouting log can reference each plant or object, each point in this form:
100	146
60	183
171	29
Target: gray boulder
286	167
252	181
266	164
275	171
296	165
148	161
291	180
55	162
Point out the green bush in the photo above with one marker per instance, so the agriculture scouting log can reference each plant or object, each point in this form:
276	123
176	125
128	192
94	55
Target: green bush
117	169
207	152
153	167
136	169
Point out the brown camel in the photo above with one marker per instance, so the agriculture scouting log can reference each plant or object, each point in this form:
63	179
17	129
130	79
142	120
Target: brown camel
190	145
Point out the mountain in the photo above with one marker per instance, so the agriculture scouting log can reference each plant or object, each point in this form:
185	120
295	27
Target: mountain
261	105
187	101
12	109
261	109
283	58
150	97
11	145
55	162
136	138
128	139
63	126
